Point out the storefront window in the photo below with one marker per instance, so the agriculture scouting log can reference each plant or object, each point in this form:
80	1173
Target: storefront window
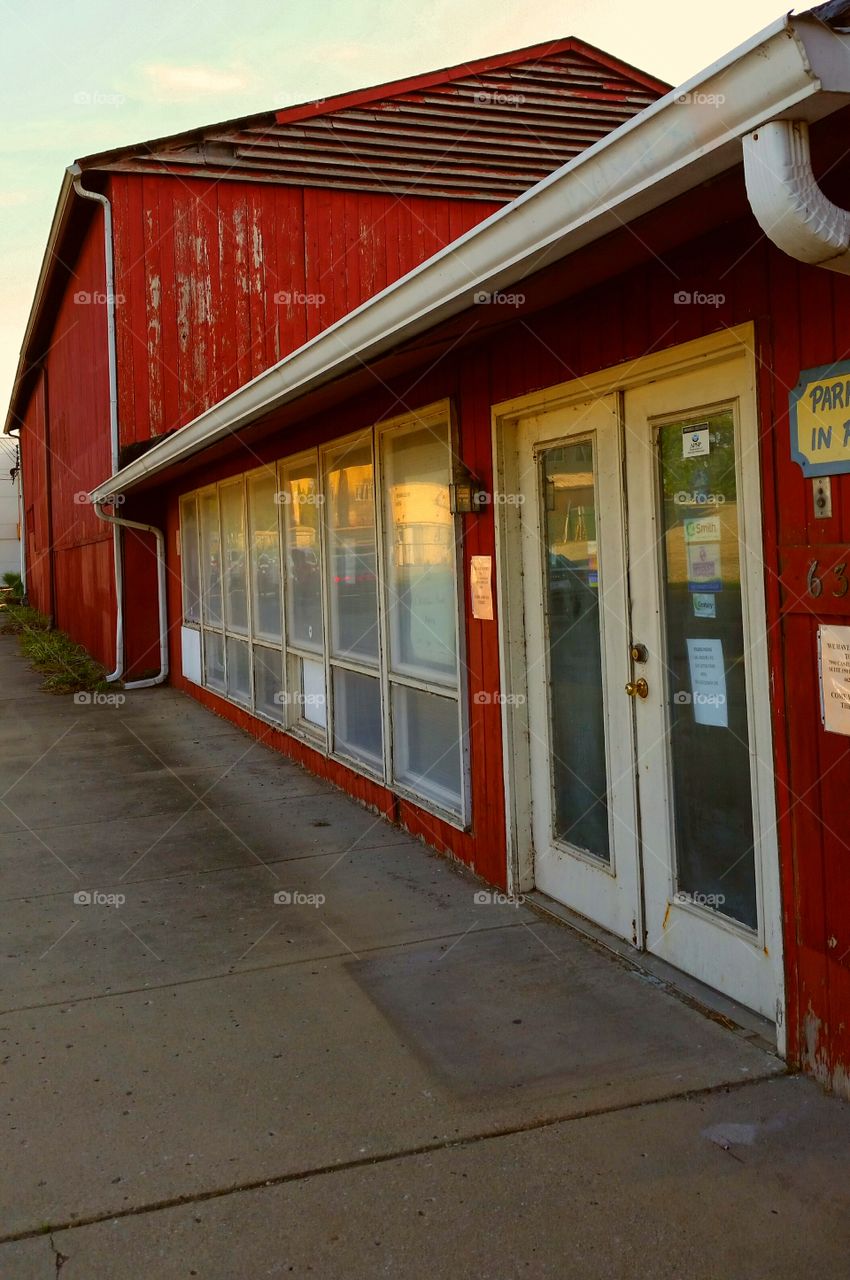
419	555
265	555
190	560
210	560
234	567
275	560
352	559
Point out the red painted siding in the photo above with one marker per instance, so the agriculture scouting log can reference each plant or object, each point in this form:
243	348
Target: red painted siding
219	280
66	451
35	481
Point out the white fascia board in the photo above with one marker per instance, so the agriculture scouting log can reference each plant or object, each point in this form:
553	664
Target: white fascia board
686	137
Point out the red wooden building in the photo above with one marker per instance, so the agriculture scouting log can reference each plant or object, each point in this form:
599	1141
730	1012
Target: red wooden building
542	551
229	247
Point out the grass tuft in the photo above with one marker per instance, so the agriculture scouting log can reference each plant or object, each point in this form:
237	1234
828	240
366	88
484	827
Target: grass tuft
66	666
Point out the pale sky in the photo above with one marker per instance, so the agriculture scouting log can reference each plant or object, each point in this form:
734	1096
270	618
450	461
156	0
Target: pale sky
79	76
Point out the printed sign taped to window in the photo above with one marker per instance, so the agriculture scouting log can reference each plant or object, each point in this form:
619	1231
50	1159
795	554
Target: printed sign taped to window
704	573
708	682
695	440
834	663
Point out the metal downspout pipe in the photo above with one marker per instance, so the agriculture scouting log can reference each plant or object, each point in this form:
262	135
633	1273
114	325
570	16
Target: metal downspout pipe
117	522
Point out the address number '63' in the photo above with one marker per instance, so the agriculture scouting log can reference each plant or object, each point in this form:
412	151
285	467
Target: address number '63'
814	584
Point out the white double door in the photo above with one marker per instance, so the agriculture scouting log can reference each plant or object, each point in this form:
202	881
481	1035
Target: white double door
650	775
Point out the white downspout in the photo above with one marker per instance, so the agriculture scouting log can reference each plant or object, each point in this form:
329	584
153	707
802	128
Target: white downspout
118	524
788	204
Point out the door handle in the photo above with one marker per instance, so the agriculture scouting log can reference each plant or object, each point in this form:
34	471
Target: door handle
637	688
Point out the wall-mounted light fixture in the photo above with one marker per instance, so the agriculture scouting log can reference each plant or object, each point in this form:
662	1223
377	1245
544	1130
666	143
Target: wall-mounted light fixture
467	496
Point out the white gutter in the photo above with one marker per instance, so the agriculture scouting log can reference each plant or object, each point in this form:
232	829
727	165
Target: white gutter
788	204
794	67
118	523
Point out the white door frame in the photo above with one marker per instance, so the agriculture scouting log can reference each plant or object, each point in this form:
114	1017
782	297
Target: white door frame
716	348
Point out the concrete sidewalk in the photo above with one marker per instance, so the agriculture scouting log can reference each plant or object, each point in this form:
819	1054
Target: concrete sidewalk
282	1038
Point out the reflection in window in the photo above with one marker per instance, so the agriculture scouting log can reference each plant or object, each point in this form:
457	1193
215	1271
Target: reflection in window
210	559
419	531
357	717
302	507
234	569
352	563
265	555
580	783
190	560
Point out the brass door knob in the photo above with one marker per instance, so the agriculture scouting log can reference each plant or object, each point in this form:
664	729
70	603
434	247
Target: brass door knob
637	688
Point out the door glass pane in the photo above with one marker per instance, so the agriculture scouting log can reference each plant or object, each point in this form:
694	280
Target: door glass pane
210	559
265	555
268	684
351	552
302	504
238	670
426	745
419	533
357	717
235	568
709	736
576	711
190	560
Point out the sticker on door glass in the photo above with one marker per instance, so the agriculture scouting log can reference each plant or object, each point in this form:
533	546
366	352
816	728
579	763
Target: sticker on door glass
702	528
708	683
704	573
834	663
695	440
705	604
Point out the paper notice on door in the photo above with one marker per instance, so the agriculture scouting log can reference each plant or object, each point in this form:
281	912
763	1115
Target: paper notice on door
695	440
834	663
708	682
704	572
481	587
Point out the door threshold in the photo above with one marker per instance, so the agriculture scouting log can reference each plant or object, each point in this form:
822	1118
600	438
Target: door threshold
712	1004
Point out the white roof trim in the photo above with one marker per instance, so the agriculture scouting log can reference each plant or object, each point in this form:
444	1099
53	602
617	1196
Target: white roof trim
797	66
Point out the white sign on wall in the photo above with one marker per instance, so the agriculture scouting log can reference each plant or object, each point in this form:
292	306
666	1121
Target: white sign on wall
834	664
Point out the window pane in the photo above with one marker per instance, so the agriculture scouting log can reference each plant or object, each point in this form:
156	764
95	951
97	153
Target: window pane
210	559
268	696
579	769
265	555
235	569
238	670
351	552
302	512
426	745
419	532
190	560
214	660
357	717
307	691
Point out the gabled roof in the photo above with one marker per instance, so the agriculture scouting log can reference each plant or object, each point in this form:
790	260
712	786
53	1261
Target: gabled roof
485	130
